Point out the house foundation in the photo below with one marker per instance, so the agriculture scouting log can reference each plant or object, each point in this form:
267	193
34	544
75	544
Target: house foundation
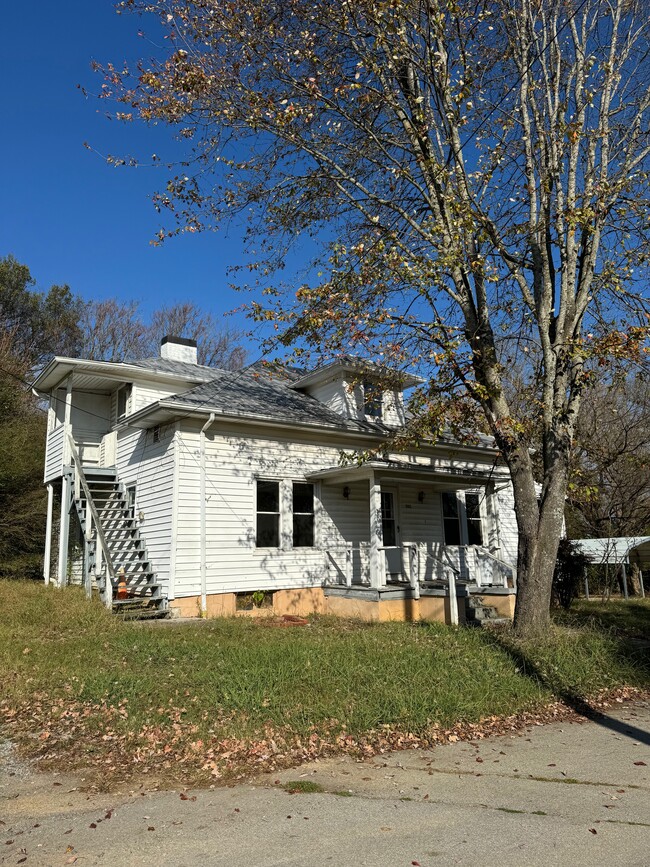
367	606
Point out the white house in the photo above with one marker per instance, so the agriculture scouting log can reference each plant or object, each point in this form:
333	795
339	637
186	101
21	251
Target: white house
200	490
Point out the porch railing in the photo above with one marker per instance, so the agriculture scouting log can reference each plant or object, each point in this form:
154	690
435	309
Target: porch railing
348	564
92	521
501	573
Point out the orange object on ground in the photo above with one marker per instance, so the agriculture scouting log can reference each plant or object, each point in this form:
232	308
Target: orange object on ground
122	592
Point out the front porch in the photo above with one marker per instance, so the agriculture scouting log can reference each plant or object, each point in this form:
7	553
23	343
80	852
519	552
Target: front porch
414	539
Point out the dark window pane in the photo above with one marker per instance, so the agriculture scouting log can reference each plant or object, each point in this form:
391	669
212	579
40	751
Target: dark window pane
268	531
122	400
452	531
472	506
449	504
303	497
268	496
387	510
474	533
372	399
303	531
389	536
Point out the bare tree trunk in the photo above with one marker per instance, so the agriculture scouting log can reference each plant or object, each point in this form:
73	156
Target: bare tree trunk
539	522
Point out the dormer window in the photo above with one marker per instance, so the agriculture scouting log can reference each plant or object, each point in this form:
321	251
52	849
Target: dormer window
123	400
372	399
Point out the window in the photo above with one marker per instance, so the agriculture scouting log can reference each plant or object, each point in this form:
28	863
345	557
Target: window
268	514
123	400
388	526
470	519
473	512
372	399
303	515
451	518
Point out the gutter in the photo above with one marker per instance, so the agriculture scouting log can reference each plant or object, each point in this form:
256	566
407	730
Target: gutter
203	532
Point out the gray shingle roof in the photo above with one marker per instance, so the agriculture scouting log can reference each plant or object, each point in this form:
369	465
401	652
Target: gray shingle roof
180	368
254	394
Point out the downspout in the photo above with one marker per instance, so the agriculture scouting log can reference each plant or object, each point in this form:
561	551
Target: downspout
204	569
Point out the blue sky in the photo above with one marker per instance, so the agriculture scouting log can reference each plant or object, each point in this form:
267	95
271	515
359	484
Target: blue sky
64	212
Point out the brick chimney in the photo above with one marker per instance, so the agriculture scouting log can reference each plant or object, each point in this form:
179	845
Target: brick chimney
178	349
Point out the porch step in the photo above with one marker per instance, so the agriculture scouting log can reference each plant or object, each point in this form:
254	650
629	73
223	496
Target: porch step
477	613
138	609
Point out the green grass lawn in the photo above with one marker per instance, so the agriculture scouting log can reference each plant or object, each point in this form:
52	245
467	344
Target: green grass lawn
79	687
631	617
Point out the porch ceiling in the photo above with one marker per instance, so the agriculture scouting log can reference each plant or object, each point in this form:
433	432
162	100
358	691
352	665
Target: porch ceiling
387	471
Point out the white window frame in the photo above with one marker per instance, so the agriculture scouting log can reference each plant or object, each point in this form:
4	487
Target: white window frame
285	514
373	396
278	482
127	388
463	523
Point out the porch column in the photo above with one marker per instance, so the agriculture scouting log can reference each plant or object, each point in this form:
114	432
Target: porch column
67	457
64	527
491	509
377	576
47	554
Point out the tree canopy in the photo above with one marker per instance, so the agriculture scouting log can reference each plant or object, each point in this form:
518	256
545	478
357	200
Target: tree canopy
114	330
479	175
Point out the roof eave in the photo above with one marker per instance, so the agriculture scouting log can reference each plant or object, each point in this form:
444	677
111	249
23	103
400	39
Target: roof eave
188	410
46	381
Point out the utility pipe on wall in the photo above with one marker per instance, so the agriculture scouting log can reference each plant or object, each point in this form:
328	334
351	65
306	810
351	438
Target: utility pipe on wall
204	567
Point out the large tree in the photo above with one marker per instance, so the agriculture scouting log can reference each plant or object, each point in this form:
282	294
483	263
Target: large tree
33	326
609	491
478	171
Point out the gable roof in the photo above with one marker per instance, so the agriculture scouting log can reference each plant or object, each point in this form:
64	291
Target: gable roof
249	394
356	366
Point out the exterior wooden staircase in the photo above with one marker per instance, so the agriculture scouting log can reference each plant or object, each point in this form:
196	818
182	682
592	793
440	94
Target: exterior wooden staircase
115	554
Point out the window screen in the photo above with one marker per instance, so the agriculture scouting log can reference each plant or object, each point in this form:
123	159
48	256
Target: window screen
303	515
474	526
268	514
451	518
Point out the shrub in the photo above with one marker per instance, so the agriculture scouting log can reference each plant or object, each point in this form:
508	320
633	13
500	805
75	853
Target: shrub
569	572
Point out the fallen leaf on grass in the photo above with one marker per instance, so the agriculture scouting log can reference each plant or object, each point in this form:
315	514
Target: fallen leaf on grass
185	797
640	763
593	831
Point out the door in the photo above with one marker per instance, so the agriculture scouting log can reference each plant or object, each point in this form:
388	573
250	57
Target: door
390	535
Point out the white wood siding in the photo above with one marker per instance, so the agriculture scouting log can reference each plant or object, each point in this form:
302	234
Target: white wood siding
393	408
150	466
233	462
336	395
145	393
508	532
54	454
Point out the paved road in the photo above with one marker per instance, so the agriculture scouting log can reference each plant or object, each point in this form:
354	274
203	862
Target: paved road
563	794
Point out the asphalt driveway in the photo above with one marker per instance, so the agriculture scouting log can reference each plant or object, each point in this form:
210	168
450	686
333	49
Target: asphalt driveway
562	794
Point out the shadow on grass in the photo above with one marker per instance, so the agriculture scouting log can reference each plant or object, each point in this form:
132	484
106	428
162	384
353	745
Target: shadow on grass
529	668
